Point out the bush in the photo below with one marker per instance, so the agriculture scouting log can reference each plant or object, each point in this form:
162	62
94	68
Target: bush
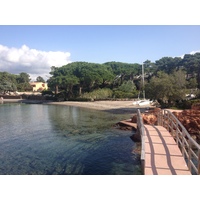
79	99
47	92
121	94
98	94
184	104
126	90
187	104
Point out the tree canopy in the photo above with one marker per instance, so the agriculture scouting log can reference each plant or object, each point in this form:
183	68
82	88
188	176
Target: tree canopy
40	79
11	82
167	79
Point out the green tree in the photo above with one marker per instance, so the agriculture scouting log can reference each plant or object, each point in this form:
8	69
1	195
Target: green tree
23	80
192	83
127	86
54	83
168	64
126	90
167	88
55	80
89	76
40	79
123	71
7	82
191	63
68	82
7	86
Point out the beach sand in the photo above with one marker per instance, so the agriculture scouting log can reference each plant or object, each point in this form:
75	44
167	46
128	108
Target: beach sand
117	107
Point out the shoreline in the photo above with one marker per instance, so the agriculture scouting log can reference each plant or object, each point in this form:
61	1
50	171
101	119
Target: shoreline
116	107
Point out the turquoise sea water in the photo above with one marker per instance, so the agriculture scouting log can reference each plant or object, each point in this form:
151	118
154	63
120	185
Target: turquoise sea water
50	139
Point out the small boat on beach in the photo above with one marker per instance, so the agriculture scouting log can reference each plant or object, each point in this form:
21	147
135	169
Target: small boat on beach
142	102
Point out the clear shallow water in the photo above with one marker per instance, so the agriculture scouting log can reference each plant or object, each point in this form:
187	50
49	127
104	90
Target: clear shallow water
50	139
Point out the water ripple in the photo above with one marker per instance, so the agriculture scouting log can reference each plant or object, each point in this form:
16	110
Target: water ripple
41	139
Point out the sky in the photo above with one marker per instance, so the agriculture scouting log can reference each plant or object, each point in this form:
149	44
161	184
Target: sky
34	49
33	45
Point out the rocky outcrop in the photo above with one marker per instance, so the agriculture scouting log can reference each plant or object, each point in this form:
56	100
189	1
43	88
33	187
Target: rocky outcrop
196	106
134	118
150	117
191	121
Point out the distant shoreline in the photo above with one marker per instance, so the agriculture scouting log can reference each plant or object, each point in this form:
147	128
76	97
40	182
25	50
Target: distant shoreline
22	101
116	107
12	100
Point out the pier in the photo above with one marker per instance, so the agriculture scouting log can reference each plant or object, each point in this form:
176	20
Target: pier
167	148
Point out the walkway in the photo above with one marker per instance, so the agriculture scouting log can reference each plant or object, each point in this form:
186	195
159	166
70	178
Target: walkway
162	154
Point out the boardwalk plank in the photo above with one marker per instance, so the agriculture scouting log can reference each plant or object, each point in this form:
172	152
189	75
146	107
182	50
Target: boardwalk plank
162	155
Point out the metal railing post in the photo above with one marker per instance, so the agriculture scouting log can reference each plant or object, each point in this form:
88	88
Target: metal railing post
199	162
189	155
177	138
160	118
168	121
185	145
141	130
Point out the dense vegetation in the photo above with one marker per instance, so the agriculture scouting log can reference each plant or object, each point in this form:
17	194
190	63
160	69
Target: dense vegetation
167	80
12	83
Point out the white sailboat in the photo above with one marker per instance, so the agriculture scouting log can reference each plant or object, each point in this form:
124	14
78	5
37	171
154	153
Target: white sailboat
142	102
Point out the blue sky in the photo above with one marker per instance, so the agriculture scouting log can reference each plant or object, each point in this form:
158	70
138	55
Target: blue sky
106	43
32	40
34	49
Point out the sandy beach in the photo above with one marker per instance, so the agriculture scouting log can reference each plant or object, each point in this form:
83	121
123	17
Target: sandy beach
118	107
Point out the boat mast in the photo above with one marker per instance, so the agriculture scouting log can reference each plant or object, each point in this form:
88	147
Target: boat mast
143	80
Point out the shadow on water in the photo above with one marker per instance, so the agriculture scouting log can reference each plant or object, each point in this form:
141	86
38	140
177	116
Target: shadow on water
125	110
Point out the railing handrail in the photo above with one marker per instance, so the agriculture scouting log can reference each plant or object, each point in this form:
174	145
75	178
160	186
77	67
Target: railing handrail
140	127
168	120
182	127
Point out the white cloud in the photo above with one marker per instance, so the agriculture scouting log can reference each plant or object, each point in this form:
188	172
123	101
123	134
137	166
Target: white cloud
32	61
192	53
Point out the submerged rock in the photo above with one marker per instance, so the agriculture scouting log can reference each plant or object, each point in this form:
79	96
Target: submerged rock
136	137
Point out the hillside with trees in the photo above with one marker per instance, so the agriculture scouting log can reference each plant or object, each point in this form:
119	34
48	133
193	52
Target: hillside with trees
167	80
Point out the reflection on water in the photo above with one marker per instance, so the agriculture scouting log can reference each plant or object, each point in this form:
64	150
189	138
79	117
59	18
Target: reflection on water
50	139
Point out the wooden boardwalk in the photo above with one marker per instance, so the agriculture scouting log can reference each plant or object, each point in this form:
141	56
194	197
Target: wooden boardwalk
162	154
